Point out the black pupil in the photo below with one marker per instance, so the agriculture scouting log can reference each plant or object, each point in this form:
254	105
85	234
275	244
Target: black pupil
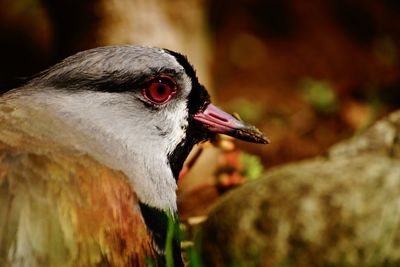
161	89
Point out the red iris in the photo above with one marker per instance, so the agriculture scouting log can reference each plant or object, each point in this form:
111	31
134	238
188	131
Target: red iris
159	90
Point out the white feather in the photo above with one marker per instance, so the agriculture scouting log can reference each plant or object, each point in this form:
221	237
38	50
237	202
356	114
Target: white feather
115	130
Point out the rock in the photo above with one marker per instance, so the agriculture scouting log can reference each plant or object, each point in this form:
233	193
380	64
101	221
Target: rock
338	210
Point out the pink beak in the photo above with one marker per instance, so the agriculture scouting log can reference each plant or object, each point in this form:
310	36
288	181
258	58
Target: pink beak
218	121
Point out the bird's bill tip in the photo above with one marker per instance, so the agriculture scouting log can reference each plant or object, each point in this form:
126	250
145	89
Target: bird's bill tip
218	121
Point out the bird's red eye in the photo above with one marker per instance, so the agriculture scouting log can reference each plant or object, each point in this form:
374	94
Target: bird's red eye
160	89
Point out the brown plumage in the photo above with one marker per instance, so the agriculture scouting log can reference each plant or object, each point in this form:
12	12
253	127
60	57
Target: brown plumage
54	199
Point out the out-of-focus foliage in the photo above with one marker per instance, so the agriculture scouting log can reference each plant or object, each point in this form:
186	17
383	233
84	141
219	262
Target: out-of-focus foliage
320	94
320	70
252	166
385	50
249	111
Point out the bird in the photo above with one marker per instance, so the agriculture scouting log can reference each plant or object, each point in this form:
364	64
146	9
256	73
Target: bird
90	154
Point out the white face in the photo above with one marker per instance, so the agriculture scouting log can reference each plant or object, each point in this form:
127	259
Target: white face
124	129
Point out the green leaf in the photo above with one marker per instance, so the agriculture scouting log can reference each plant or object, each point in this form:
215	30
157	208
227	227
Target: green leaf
320	94
252	166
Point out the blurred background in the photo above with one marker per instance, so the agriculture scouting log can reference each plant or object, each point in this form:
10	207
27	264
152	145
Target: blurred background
307	73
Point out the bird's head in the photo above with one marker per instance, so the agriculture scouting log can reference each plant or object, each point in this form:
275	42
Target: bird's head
133	108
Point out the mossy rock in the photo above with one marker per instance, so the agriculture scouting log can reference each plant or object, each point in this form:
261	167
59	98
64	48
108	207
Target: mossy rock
338	210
